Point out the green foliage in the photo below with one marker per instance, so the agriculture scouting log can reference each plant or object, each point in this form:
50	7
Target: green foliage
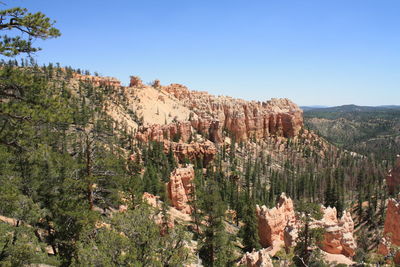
249	231
215	244
133	239
20	247
309	237
24	28
366	130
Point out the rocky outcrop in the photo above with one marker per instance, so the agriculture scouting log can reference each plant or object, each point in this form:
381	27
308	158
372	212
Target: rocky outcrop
338	236
278	226
259	258
393	178
272	222
97	80
136	82
242	119
391	230
180	188
177	137
179	131
204	151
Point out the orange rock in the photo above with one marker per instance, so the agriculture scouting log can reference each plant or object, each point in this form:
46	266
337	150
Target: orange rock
243	119
205	150
179	131
391	230
97	80
278	226
393	178
338	236
272	222
152	200
136	82
259	258
180	188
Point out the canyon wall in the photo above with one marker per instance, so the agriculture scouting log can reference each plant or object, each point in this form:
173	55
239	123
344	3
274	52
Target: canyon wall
272	222
242	119
180	188
279	226
338	236
393	178
391	232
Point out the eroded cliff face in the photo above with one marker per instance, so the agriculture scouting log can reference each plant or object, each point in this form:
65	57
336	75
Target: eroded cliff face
391	232
272	222
338	236
97	80
393	178
179	131
180	188
242	119
279	227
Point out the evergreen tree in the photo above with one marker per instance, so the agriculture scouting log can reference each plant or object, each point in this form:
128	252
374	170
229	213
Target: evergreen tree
215	248
249	231
25	27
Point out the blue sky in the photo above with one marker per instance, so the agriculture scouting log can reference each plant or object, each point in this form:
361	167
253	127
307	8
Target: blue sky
325	52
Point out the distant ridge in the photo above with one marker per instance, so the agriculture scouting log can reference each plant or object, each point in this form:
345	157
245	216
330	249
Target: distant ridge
349	108
305	108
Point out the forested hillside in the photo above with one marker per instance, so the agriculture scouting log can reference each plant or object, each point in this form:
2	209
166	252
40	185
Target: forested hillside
365	130
95	173
74	171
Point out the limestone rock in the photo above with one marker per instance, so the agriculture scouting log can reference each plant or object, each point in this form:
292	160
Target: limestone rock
291	234
393	178
391	230
179	131
272	222
338	237
97	80
180	187
243	119
136	82
205	150
278	226
259	258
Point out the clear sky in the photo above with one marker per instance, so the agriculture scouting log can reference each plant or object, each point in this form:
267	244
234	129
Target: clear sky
315	52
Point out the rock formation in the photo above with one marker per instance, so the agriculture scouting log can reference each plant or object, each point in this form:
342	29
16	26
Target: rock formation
156	84
180	187
243	119
391	230
393	178
97	80
338	236
136	82
179	131
278	226
259	258
205	151
272	222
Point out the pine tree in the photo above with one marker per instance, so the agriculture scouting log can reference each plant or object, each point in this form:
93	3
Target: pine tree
249	231
215	247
